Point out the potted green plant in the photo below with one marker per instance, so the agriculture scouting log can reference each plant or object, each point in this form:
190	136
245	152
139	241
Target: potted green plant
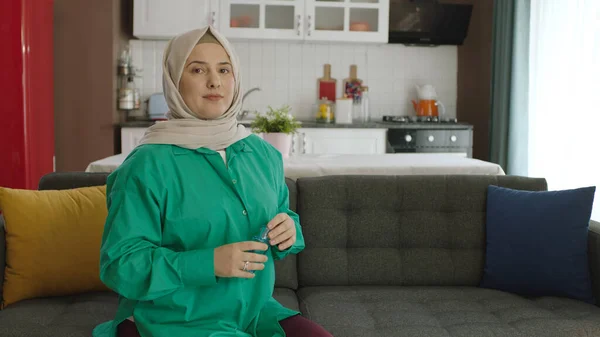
277	127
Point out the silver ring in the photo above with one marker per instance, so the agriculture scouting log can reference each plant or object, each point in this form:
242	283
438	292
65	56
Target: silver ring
246	265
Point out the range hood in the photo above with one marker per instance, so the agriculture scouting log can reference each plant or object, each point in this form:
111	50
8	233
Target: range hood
428	23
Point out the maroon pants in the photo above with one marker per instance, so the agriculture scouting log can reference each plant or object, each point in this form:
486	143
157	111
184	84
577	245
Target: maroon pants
295	326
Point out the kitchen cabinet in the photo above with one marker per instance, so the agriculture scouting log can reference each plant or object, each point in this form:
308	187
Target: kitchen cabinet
259	19
130	138
311	20
339	141
160	19
347	20
305	141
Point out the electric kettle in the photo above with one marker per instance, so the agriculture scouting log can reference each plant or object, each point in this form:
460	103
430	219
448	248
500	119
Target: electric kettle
427	104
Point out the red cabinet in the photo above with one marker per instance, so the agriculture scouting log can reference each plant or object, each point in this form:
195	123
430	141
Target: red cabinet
26	91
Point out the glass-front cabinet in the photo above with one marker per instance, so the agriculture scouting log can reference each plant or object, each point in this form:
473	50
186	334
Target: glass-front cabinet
347	20
311	20
316	20
262	19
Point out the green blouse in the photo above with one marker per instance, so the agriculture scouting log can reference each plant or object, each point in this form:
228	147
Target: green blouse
168	208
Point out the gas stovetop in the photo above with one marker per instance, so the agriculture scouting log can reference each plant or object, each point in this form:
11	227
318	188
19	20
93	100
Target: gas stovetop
418	119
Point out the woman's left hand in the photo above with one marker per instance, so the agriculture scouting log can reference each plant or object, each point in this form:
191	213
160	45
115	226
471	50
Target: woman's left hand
282	231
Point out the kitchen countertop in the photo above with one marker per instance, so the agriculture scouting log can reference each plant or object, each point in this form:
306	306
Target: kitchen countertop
376	164
388	125
366	125
135	124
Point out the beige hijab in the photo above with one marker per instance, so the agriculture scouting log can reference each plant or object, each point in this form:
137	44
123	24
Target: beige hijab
182	127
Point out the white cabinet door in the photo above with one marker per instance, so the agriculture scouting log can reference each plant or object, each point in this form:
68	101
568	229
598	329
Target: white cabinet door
339	141
130	138
262	19
161	19
347	20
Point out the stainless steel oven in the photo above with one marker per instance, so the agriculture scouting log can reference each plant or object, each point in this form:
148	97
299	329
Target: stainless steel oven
453	139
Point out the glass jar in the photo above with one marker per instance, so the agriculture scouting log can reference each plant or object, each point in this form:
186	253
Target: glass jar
365	104
325	113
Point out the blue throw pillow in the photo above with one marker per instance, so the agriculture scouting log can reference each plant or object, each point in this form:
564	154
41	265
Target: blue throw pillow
536	242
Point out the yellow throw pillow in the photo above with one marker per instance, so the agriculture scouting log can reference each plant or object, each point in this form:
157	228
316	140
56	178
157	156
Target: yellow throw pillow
52	242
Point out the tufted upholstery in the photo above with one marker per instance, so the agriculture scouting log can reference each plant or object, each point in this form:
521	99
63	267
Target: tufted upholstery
67	316
371	311
384	257
75	316
403	230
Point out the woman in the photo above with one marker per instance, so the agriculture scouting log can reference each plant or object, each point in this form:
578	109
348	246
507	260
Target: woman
184	206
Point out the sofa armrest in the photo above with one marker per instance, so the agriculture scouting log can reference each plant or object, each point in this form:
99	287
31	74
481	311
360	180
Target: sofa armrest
594	258
2	255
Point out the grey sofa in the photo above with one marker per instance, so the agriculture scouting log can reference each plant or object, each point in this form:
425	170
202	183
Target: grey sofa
385	256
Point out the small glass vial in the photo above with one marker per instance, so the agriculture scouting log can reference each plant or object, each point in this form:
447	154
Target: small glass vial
365	108
262	237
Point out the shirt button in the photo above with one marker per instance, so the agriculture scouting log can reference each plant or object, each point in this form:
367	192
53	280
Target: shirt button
244	212
234	181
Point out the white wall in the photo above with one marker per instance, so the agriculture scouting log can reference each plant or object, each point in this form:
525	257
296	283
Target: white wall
287	72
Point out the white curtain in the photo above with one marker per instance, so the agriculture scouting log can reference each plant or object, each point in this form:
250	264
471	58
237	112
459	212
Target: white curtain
564	100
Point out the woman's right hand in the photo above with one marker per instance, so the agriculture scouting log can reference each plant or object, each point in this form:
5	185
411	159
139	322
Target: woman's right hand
230	259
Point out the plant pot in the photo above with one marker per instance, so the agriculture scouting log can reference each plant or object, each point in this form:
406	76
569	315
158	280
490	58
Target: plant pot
281	141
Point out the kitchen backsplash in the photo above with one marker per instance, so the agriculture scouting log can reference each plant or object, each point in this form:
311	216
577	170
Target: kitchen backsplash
287	73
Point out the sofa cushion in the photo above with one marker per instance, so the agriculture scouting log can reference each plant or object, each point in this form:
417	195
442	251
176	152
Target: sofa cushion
396	230
52	242
364	311
537	242
286	272
76	316
287	298
68	316
53	181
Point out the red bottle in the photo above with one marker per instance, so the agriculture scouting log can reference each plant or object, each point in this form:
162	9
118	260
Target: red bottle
326	86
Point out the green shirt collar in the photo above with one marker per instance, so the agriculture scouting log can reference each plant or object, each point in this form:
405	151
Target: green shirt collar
238	147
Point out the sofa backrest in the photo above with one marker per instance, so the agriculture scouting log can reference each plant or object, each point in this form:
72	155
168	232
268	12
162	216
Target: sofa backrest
373	230
396	230
285	270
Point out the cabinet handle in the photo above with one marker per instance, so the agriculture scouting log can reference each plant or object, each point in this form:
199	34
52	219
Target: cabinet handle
213	18
309	24
299	24
303	143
